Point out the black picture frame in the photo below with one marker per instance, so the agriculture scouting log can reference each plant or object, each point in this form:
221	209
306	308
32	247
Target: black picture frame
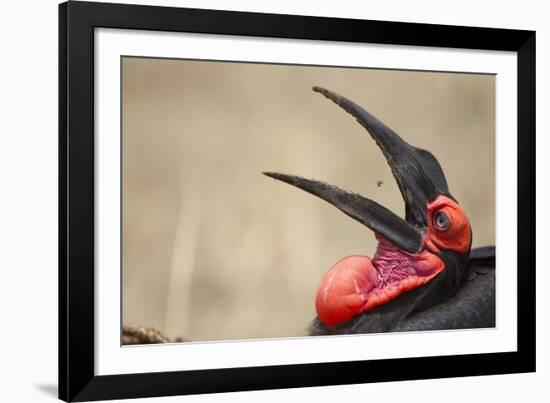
77	21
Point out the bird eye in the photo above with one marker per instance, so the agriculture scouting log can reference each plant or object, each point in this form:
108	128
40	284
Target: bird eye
441	221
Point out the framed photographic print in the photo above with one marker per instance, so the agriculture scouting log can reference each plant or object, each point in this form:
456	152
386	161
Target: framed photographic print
258	201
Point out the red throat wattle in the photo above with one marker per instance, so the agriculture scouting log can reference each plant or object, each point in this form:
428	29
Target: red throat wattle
357	284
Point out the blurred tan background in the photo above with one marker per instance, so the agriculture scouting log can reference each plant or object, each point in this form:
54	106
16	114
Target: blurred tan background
214	250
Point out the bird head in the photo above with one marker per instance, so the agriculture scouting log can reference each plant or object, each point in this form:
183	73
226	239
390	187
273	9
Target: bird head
425	253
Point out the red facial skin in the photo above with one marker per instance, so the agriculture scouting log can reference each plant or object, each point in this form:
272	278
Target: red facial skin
357	284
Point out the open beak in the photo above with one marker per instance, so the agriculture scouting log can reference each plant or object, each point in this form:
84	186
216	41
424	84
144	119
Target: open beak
416	171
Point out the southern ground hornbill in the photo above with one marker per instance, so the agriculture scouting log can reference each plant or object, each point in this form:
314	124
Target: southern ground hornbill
424	275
